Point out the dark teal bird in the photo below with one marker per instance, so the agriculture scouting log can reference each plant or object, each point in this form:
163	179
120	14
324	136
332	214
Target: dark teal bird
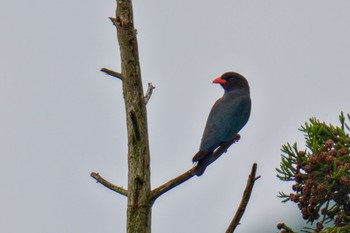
226	118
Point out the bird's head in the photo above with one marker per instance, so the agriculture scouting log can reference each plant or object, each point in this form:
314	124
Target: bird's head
232	81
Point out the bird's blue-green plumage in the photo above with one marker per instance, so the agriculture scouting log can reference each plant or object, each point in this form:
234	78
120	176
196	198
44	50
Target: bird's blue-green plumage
226	118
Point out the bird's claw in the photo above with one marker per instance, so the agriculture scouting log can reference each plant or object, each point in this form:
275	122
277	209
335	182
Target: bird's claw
236	138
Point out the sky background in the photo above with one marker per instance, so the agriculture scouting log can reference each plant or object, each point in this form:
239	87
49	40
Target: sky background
61	118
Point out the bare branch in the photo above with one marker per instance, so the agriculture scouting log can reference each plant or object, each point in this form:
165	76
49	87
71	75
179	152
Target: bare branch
112	73
109	185
245	199
157	192
149	92
223	149
113	20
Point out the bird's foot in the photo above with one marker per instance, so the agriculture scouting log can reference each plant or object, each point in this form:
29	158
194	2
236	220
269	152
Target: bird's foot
233	140
226	145
236	138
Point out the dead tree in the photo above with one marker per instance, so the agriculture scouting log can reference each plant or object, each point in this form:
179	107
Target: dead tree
139	193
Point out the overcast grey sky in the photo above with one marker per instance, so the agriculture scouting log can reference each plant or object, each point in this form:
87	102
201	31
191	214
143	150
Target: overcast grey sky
62	119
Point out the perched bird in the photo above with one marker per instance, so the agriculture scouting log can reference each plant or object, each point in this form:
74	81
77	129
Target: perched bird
226	118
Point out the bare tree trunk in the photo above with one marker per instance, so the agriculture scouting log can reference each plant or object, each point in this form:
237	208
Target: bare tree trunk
139	207
139	193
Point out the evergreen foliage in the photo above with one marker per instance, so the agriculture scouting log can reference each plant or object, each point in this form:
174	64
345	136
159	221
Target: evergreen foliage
320	175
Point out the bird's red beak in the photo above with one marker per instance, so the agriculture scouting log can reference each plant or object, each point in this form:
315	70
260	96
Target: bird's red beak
219	80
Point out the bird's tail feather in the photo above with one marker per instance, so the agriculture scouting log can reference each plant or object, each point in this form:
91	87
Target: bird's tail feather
199	156
202	165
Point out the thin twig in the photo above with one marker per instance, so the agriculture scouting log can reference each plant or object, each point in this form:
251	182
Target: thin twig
245	199
149	92
285	227
114	21
157	192
109	185
112	73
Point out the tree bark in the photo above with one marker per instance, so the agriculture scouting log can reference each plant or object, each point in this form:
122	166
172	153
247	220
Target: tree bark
245	199
139	194
139	207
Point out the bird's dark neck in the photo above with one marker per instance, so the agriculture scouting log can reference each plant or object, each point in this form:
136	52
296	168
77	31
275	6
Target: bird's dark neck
237	92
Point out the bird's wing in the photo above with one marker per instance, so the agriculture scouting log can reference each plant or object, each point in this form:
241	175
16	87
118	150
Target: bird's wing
226	119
